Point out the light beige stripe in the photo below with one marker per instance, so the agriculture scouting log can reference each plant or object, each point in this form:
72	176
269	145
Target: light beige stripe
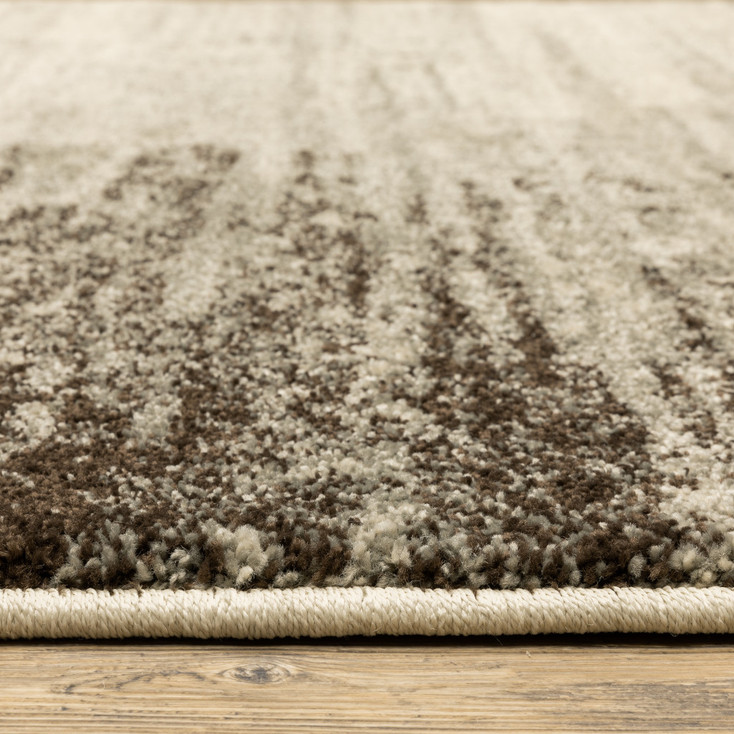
324	612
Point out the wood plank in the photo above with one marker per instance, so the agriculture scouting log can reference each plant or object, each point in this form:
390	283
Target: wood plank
601	683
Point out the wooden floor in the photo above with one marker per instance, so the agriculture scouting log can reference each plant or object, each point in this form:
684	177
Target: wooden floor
558	684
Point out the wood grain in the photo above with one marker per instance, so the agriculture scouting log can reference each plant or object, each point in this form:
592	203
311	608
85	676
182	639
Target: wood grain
650	684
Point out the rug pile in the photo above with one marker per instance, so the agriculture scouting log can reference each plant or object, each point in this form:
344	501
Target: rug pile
360	318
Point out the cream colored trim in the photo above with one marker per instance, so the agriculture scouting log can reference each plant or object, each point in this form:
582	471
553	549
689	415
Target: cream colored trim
360	611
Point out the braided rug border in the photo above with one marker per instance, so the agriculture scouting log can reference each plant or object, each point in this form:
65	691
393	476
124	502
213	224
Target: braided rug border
326	612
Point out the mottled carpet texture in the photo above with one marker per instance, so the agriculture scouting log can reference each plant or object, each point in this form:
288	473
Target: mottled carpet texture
437	296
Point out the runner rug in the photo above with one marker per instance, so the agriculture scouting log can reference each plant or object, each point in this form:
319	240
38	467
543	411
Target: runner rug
361	318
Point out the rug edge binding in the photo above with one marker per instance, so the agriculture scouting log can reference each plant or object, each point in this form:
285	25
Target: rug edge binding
360	611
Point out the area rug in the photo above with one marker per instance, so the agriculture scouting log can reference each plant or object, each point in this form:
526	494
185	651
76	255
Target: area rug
366	318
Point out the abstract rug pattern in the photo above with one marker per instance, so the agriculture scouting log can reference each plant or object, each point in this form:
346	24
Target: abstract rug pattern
314	299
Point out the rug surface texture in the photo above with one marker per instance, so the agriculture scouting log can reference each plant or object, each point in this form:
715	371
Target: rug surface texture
332	318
